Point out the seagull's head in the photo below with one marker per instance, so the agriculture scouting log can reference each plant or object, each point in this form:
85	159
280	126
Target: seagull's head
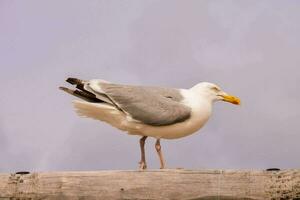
214	93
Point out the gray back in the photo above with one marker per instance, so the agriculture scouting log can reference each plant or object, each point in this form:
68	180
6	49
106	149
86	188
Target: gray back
151	105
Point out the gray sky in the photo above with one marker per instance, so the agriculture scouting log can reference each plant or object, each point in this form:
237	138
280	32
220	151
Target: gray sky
250	48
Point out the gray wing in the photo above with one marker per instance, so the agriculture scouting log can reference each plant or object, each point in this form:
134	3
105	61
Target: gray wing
151	105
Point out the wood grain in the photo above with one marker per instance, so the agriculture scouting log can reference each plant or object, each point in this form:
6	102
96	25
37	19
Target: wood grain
157	184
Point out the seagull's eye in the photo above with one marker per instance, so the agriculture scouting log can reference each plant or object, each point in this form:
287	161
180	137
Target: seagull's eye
215	89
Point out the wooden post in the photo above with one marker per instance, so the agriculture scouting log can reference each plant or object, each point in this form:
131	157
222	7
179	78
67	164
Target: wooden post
152	184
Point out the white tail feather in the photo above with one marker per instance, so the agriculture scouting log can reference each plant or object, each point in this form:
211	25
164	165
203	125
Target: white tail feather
100	111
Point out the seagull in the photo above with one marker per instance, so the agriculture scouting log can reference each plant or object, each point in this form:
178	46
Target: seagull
158	112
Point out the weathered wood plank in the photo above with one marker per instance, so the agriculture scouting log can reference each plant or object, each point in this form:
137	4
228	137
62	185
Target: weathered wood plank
159	184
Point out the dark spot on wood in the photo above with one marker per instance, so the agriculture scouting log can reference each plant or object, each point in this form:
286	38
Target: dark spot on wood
273	169
22	172
122	189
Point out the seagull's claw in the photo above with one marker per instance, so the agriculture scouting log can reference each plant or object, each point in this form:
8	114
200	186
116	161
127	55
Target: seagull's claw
143	165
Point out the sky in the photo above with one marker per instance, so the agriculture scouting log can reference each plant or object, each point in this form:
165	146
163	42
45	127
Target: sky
249	48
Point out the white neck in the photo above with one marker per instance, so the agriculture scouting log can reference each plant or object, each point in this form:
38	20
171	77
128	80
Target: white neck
200	104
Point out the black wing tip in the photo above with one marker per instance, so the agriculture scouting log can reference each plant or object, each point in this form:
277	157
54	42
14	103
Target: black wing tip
66	90
63	88
74	81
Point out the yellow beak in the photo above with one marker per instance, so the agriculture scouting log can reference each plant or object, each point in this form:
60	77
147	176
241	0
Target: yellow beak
231	99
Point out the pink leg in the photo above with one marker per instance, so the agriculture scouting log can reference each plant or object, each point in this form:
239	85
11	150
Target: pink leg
159	152
142	163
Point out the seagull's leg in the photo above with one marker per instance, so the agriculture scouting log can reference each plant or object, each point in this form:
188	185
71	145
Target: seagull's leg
142	163
159	152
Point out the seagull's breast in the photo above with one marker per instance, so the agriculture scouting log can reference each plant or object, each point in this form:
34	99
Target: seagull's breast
200	113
